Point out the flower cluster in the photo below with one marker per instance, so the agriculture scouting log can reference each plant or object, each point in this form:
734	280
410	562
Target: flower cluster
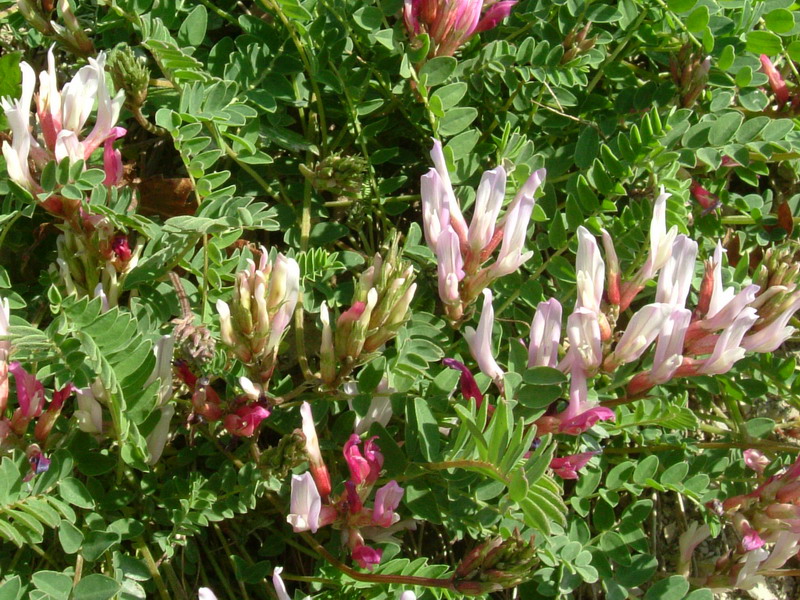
708	340
461	250
263	304
313	507
380	308
770	514
451	23
62	115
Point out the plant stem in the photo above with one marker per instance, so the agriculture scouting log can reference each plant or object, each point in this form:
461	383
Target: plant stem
377	578
151	566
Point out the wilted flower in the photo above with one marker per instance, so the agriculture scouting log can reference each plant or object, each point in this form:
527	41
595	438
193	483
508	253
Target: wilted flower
469	387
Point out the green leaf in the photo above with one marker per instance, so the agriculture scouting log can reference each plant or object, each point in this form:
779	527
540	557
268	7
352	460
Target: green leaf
11	588
779	20
450	95
427	429
671	588
70	537
764	42
55	584
587	147
437	70
675	474
724	128
193	29
759	427
543	376
457	120
793	50
73	491
698	20
680	6
96	587
368	18
646	469
97	542
10	75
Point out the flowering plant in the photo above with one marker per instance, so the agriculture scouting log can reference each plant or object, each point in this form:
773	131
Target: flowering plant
397	300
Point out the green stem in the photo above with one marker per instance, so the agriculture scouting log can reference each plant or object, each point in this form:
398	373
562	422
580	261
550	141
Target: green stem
151	566
407	580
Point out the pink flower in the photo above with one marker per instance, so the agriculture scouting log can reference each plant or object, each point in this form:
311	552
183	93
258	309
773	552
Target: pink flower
545	335
450	265
245	420
591	272
366	557
641	331
469	387
30	392
704	198
480	341
280	587
318	468
387	499
493	16
756	460
776	81
586	420
112	159
305	504
451	23
567	467
583	332
366	468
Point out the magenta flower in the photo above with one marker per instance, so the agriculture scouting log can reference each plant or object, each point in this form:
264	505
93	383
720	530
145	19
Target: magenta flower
364	468
366	556
469	387
30	392
246	419
586	420
112	159
567	467
704	198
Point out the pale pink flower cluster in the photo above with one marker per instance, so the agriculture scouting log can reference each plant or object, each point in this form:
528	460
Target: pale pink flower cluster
265	296
708	340
62	115
461	249
768	523
312	507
